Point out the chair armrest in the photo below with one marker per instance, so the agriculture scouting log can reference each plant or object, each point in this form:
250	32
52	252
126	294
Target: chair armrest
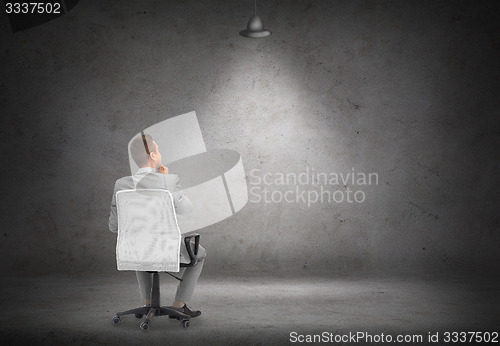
191	252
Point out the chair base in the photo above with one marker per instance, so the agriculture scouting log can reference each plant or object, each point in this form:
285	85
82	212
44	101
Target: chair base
149	312
154	310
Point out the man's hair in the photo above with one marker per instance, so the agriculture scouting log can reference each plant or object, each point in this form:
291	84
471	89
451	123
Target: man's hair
138	149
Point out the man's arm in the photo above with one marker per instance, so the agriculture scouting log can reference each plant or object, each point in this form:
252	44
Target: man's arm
182	203
113	219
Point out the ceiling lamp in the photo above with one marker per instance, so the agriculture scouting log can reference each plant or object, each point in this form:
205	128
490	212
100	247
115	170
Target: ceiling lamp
255	28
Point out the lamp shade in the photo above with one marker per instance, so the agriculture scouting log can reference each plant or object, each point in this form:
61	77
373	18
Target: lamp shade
255	29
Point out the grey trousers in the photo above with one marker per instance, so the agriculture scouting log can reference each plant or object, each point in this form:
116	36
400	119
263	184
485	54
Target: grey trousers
189	277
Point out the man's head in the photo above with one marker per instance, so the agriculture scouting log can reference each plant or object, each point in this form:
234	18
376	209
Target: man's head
144	152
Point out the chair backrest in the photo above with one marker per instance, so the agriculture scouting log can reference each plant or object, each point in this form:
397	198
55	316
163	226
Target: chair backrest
149	237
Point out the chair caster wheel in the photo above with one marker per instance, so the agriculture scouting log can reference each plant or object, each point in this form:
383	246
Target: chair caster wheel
145	326
116	320
185	323
138	315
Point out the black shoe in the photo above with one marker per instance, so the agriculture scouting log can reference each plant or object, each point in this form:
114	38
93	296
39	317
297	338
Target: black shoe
191	313
187	311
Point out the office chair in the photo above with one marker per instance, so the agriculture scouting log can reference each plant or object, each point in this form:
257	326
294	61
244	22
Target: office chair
149	240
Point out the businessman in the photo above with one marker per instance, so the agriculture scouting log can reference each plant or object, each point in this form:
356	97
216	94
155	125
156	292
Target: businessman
153	175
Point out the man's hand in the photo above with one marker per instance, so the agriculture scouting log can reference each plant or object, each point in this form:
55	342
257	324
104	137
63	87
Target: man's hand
163	170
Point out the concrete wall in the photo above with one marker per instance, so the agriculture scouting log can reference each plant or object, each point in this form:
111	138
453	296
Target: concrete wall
407	90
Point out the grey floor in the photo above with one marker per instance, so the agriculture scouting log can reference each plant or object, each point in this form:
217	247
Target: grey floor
246	310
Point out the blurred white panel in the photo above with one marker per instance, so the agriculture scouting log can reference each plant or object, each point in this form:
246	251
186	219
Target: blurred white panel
214	181
237	186
210	205
178	137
